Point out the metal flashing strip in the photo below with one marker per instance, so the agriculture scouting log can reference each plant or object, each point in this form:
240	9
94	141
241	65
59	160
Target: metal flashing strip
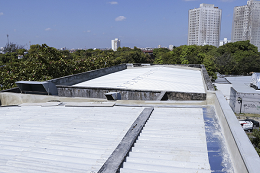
47	104
89	104
117	157
160	105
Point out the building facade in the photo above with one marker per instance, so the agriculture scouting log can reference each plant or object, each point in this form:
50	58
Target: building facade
204	25
223	42
246	23
115	44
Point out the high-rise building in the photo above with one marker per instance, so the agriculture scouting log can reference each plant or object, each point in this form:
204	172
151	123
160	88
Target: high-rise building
115	44
204	25
246	23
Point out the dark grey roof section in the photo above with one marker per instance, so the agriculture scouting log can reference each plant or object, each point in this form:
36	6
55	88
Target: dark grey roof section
222	81
34	87
114	161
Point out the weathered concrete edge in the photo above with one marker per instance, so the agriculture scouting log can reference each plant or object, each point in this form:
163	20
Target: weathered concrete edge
244	156
8	98
85	76
126	94
207	78
117	157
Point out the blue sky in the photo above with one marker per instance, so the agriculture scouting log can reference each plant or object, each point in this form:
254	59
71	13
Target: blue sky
94	23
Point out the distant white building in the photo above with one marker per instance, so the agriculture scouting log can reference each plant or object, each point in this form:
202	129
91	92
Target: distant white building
171	47
246	23
204	25
1	50
223	42
115	44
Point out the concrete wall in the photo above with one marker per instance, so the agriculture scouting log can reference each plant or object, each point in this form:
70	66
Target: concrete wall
8	99
250	102
126	94
81	77
91	92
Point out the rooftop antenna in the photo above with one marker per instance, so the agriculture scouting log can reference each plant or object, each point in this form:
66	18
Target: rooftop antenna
7	39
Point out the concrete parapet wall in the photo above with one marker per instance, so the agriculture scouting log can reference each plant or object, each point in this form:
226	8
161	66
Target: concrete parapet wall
8	99
245	158
81	77
91	92
186	96
94	92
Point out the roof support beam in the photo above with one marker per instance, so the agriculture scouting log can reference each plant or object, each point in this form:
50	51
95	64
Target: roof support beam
117	157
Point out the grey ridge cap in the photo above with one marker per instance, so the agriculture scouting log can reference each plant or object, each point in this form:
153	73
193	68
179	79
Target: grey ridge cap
117	157
247	151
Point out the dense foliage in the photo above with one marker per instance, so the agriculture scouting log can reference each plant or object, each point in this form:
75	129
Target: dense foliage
239	58
256	140
43	62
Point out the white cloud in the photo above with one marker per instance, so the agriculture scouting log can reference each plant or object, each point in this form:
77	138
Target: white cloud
113	3
88	31
1	13
120	18
47	29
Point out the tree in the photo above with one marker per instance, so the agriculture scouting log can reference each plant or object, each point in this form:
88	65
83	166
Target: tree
11	47
226	64
256	140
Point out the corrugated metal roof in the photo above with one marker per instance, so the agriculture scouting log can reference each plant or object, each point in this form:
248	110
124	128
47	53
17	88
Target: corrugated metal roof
179	140
61	139
152	78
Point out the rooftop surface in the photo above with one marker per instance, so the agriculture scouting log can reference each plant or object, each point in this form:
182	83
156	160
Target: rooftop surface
61	134
242	84
66	138
152	78
61	139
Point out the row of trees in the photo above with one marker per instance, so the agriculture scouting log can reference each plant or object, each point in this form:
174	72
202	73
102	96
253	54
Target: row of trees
43	62
239	58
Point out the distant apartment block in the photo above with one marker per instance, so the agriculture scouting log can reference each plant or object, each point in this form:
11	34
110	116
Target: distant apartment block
115	44
246	23
204	25
223	42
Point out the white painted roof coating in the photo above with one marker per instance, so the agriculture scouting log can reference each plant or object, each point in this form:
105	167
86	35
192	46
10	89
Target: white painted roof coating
173	140
61	139
151	78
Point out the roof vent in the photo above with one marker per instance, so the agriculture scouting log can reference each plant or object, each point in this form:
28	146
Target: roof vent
34	87
113	96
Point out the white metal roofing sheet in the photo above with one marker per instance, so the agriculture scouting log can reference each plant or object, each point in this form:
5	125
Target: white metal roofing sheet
152	78
173	140
61	139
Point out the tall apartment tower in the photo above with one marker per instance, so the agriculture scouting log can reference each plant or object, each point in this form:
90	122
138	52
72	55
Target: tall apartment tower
246	23
204	25
115	44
